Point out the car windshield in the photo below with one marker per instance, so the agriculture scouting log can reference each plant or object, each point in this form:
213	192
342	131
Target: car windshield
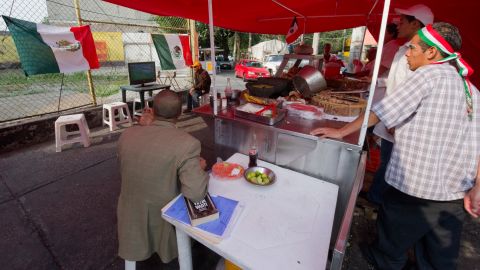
274	58
254	64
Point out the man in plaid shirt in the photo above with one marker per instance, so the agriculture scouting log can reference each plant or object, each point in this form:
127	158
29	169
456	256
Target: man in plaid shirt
435	164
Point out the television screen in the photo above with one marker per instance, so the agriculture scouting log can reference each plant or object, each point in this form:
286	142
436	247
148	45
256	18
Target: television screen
141	72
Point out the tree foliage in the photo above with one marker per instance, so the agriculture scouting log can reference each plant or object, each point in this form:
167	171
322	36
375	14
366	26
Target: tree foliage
224	38
171	24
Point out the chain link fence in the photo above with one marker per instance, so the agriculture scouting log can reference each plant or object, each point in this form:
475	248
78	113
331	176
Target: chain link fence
121	35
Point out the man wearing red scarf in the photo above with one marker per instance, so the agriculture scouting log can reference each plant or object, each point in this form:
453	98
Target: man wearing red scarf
434	171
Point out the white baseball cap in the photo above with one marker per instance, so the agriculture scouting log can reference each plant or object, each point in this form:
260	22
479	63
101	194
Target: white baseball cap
420	12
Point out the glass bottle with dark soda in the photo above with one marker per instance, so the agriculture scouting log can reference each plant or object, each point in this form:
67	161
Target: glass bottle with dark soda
253	153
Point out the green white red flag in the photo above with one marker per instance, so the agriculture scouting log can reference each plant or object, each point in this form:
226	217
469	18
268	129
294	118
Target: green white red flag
294	32
173	51
52	49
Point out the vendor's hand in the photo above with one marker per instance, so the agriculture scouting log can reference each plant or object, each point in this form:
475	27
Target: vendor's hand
472	201
327	133
391	131
192	90
203	163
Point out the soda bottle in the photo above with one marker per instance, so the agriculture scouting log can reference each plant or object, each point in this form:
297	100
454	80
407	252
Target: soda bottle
253	153
219	101
228	92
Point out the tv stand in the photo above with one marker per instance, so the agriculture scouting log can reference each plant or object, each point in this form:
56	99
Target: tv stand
141	89
143	85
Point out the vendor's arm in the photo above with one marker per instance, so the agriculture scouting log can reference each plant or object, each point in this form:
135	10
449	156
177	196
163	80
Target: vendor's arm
193	178
472	198
347	129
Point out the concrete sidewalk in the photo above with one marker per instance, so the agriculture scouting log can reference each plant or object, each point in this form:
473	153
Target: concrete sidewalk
58	210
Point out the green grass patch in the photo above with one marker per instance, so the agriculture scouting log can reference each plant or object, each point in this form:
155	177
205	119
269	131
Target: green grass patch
15	83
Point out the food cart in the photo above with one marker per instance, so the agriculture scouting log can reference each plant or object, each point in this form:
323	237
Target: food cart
288	142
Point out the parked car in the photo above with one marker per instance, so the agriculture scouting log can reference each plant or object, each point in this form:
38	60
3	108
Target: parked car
224	63
272	62
250	70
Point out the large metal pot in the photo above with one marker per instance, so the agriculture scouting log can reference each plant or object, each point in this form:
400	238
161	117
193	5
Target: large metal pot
270	87
309	81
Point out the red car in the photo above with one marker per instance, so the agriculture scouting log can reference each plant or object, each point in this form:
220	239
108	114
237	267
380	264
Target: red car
250	69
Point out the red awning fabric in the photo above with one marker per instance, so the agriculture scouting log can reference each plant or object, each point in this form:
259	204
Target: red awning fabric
267	17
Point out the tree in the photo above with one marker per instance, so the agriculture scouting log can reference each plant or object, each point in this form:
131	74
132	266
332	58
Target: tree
222	37
171	24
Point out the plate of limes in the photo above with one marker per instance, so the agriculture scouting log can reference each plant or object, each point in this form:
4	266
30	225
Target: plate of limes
259	176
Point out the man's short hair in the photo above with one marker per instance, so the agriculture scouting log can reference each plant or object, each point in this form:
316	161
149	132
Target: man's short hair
410	19
449	32
167	104
393	30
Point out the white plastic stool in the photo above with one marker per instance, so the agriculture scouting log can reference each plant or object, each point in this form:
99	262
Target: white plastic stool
62	135
118	113
138	112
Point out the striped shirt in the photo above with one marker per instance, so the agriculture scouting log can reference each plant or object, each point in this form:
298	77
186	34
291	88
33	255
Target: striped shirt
436	148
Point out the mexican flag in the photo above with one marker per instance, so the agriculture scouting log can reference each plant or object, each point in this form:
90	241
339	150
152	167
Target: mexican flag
51	49
173	51
293	32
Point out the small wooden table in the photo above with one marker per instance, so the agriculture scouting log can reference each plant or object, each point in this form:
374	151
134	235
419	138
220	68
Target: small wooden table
141	90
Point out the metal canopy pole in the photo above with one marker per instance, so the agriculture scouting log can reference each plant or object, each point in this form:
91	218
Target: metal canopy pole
376	68
212	53
88	72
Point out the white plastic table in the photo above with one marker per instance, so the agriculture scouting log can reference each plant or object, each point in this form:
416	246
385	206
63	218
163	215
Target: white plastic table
286	225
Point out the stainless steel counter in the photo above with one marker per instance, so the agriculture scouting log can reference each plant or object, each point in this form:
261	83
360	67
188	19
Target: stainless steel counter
291	124
289	144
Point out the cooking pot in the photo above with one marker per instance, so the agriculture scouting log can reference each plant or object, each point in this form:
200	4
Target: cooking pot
270	87
309	81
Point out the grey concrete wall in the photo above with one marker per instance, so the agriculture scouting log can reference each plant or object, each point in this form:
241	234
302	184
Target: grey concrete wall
37	131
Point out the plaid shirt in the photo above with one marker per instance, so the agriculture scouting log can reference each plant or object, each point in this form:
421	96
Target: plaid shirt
436	148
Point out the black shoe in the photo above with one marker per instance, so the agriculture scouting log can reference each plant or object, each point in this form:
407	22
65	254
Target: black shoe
368	254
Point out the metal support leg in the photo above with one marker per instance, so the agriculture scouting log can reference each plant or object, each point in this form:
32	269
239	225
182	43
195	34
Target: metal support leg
184	251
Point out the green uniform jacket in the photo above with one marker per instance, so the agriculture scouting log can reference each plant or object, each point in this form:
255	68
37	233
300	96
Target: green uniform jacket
157	162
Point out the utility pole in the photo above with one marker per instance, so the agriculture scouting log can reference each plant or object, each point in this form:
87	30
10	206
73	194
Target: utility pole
236	46
249	45
316	37
193	42
88	72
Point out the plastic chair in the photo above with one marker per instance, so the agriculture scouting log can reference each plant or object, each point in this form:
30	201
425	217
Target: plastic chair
172	81
62	136
118	113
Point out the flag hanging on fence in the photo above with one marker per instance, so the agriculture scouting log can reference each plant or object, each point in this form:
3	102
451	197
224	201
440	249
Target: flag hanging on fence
52	49
294	31
173	51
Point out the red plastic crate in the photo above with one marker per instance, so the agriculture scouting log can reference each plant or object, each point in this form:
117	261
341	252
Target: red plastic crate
373	162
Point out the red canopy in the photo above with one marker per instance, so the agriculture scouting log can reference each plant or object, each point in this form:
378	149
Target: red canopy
267	17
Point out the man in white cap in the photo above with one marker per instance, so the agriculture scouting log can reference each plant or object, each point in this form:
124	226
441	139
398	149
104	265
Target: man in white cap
411	20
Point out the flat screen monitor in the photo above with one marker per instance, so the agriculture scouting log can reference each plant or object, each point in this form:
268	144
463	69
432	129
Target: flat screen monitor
141	73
